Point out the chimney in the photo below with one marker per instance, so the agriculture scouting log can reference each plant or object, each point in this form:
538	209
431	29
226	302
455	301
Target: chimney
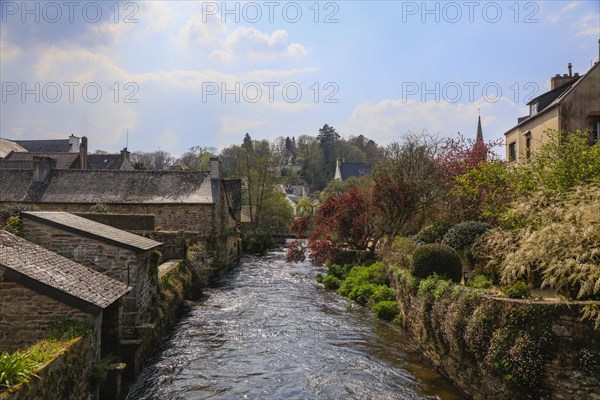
215	168
83	152
73	143
42	167
558	80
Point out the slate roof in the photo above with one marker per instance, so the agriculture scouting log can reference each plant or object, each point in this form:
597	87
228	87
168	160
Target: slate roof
553	97
43	146
6	146
57	272
349	170
93	229
110	187
63	160
102	161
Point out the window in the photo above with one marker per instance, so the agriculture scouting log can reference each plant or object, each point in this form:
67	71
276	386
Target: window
595	131
533	109
528	145
512	151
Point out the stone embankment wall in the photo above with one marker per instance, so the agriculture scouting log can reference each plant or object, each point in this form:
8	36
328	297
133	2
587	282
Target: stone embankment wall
65	377
25	315
503	349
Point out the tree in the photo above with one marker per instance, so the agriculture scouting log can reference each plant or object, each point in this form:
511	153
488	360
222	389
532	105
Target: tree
343	223
328	138
406	184
157	160
197	158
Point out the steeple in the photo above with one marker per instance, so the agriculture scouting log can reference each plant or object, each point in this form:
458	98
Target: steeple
479	131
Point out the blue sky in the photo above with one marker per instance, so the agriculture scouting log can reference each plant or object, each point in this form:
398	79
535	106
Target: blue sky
182	73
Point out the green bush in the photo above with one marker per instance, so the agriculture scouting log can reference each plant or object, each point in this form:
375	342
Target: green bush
14	225
432	233
480	282
465	234
518	290
257	241
362	283
340	271
436	258
319	278
63	328
331	282
434	285
383	293
387	310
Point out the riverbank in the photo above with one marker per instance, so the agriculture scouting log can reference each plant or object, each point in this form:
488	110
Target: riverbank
499	348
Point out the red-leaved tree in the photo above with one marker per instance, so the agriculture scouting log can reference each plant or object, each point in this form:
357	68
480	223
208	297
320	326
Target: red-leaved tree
344	222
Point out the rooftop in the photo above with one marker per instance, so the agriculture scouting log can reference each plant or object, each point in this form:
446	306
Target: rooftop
109	186
44	146
63	160
95	230
32	263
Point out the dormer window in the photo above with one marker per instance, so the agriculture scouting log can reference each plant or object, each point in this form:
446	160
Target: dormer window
533	109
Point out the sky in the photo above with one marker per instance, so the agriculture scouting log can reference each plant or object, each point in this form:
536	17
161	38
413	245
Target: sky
174	74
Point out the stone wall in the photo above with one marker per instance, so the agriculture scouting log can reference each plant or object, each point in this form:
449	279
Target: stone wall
134	269
25	315
167	217
126	222
65	377
496	348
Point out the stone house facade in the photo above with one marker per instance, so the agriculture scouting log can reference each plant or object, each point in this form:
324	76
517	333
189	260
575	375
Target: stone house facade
571	104
201	203
121	255
37	286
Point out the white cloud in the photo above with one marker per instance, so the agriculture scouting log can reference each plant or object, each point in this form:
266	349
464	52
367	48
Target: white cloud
389	119
588	25
570	6
254	45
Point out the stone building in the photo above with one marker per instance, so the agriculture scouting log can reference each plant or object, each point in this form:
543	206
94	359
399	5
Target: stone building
121	255
345	170
571	104
38	286
21	158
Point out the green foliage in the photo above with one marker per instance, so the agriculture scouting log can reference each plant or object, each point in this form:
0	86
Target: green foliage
564	161
436	258
367	285
340	271
387	310
16	368
480	282
465	234
518	290
14	225
331	282
432	233
64	328
434	285
257	241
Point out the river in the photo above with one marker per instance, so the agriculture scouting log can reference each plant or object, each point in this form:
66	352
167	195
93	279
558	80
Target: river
269	331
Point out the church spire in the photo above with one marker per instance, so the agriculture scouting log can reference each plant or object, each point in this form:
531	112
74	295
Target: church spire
479	130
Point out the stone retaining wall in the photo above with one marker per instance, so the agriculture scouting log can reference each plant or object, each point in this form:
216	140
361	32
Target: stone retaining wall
504	349
65	377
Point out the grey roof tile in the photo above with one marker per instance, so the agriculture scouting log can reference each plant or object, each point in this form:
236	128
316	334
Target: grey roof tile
58	272
52	145
63	160
110	187
102	232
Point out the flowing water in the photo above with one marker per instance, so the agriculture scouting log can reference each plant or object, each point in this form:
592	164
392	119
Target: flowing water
269	331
